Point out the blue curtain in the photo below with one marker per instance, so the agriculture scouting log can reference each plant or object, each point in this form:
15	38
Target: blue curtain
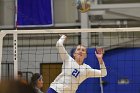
34	12
121	63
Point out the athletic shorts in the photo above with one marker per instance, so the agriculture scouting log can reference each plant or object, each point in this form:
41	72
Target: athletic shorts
50	90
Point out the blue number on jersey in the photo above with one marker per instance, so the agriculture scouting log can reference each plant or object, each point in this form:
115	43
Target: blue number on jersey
75	73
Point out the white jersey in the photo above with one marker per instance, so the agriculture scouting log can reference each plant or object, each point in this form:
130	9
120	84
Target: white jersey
72	73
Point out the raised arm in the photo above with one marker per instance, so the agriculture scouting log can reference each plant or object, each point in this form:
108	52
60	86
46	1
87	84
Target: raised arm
62	51
98	73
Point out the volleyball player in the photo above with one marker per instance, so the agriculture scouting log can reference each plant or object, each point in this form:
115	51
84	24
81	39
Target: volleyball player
74	71
37	82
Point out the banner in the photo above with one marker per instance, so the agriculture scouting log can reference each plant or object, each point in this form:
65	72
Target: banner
34	13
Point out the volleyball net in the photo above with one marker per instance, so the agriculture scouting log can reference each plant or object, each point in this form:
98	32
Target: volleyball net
29	50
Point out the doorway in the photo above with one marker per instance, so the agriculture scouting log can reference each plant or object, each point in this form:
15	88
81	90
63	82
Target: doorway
49	72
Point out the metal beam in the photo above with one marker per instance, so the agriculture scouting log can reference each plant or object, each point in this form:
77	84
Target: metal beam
114	6
125	14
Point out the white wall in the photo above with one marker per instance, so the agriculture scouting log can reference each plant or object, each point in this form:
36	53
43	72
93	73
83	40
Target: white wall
34	49
65	11
29	58
1	12
7	11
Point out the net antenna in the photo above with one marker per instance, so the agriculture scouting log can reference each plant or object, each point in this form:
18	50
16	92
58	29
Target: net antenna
15	43
46	36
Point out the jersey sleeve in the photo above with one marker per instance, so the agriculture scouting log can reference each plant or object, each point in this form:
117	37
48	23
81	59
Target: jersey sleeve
61	50
97	73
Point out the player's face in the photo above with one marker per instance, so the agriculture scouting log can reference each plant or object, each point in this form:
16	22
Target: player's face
80	52
40	83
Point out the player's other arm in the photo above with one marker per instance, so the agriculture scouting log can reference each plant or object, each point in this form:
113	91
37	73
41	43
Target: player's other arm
102	72
97	73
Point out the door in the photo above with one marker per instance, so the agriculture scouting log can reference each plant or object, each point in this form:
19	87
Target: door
49	72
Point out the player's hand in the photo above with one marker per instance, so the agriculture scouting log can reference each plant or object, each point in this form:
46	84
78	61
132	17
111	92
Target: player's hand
99	54
63	36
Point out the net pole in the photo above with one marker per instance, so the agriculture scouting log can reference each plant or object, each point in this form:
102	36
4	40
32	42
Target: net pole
1	46
85	24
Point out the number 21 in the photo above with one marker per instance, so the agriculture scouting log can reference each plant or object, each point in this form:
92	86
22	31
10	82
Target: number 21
75	73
